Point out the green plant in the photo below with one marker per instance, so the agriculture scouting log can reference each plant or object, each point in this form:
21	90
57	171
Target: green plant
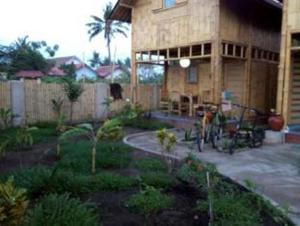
111	182
233	210
4	146
24	136
13	204
157	179
150	164
56	210
73	91
188	135
5	118
146	124
110	130
167	141
149	201
57	105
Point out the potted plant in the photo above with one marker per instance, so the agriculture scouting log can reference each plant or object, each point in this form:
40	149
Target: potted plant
275	121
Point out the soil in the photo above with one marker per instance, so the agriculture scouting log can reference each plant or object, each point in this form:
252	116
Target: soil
110	205
40	154
113	211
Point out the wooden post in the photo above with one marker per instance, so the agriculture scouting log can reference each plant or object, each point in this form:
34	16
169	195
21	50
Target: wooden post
287	79
216	59
134	78
283	50
247	96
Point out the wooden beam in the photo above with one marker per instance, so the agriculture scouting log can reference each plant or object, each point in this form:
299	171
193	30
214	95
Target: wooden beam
126	6
281	71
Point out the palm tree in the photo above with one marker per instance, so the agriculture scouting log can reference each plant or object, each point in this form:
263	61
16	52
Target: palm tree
73	91
107	26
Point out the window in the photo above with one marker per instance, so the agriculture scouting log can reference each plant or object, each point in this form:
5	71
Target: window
296	40
169	3
192	75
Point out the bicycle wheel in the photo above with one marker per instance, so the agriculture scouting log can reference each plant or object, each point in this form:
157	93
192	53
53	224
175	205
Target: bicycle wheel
233	145
257	139
199	141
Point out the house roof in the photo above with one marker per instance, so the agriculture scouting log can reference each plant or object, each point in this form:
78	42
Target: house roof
123	8
55	71
58	61
105	71
29	74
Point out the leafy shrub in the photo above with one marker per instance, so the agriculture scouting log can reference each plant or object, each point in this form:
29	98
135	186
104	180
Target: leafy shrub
147	124
149	201
41	181
76	157
151	164
157	179
233	210
13	204
58	210
110	182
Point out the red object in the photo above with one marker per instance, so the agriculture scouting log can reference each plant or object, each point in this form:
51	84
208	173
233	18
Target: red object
276	122
209	116
30	74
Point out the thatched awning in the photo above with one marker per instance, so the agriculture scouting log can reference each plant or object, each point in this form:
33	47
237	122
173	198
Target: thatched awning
123	8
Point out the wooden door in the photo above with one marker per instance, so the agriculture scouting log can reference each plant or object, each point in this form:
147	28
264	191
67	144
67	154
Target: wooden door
234	80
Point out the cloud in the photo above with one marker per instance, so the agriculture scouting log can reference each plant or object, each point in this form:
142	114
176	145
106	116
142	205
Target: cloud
59	22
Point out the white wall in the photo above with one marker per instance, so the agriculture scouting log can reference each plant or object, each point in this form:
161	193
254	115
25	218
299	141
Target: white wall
85	72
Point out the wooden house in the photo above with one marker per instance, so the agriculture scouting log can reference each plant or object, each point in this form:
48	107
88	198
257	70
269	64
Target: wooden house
288	100
232	46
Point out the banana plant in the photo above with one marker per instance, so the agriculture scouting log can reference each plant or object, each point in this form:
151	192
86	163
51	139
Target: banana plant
5	117
24	136
110	130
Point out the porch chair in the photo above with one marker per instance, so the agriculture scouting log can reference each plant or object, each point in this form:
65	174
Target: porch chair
175	102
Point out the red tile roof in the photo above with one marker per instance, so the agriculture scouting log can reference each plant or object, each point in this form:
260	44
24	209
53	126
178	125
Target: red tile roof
30	74
105	71
55	71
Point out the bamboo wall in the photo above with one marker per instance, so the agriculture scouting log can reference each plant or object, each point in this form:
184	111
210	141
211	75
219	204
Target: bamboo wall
154	27
246	22
38	106
288	97
177	81
4	95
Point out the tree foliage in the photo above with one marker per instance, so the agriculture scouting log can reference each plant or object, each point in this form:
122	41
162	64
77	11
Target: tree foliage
108	27
25	55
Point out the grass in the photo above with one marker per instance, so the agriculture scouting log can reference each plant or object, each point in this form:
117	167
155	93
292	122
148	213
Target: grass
151	164
45	132
55	210
157	179
41	180
76	156
147	124
149	201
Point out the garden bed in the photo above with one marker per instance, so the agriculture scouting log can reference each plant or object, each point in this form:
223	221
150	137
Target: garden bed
130	187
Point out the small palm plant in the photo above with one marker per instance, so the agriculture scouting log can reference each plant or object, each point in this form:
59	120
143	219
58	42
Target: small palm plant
24	136
110	130
73	91
5	118
167	140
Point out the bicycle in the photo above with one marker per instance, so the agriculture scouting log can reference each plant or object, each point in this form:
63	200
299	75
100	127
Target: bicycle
250	136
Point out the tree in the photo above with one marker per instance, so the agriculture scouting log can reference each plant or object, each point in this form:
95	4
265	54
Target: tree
25	55
95	61
110	130
106	26
73	90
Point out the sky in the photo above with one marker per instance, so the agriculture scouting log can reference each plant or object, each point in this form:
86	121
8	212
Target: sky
59	22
